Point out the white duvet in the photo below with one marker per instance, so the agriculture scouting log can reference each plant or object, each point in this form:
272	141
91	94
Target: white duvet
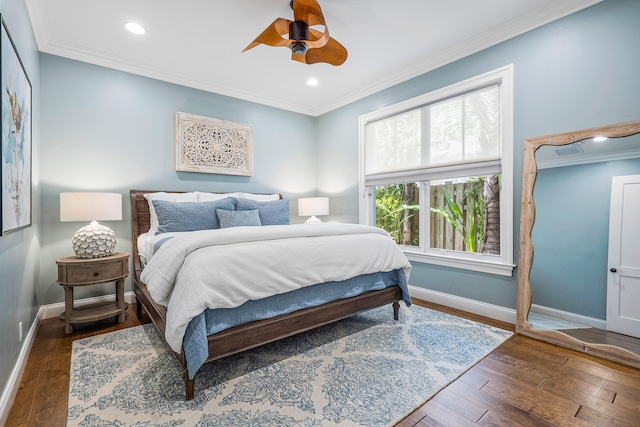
227	267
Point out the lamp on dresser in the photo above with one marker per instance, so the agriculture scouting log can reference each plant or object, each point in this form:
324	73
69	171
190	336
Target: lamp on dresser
93	240
312	206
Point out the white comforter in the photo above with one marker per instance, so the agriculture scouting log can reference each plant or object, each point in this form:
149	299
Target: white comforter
227	267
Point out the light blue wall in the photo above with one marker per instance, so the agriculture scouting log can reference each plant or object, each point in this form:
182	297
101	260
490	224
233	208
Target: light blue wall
105	130
574	73
99	129
19	251
571	236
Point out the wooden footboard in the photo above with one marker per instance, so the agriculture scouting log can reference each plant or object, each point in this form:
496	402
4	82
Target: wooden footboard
254	334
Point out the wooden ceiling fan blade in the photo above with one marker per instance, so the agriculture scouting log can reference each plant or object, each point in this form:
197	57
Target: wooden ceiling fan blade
318	39
308	11
300	58
332	53
272	35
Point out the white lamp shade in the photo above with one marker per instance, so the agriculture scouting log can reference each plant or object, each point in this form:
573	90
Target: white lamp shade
90	207
311	206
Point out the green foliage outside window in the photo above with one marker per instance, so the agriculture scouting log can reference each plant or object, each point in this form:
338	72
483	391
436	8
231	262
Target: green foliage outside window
469	219
397	211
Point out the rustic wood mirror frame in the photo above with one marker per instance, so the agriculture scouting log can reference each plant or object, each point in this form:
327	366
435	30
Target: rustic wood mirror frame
527	219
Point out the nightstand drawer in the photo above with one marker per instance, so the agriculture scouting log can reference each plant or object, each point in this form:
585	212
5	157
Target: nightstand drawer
75	271
93	273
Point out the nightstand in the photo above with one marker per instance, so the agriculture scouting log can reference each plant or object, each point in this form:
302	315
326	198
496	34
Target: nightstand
74	271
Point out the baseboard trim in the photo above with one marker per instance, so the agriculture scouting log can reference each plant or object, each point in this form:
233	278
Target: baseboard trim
11	389
472	306
44	312
570	317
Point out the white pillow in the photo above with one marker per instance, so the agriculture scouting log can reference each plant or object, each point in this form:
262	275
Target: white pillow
170	197
259	197
142	247
208	197
212	197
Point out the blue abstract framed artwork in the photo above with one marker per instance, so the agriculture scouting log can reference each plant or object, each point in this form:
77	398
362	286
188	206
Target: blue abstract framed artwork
16	137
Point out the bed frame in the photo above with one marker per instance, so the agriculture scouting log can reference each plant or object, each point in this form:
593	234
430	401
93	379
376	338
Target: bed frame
253	334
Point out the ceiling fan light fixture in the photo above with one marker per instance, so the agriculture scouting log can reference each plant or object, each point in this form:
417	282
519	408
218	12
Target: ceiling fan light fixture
298	48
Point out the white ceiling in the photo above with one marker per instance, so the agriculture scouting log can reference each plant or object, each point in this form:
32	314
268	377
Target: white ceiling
198	43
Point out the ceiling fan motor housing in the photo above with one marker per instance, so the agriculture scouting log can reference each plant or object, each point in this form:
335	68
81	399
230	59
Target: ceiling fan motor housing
298	34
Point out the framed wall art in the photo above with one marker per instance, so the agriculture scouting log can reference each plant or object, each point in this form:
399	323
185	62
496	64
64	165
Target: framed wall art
208	145
16	136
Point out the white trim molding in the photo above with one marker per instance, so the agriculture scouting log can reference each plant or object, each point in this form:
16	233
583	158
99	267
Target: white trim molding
480	308
550	12
11	388
45	312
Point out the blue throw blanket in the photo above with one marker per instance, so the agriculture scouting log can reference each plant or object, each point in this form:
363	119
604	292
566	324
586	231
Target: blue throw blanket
214	321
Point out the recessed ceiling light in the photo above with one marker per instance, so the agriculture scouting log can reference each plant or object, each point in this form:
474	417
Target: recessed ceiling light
600	138
135	28
312	82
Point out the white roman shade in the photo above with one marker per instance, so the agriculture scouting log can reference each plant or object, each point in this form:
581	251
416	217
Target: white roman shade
436	139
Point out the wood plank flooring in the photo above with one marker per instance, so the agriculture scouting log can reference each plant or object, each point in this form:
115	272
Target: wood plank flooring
522	383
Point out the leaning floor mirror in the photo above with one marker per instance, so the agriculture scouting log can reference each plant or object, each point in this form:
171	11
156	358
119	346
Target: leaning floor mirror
581	212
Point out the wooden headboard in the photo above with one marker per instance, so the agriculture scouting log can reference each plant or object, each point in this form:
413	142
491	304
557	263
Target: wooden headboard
141	221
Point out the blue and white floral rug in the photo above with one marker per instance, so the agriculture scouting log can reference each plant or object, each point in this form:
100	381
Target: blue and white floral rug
368	370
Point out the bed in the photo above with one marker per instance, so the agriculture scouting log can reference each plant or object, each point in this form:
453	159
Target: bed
307	306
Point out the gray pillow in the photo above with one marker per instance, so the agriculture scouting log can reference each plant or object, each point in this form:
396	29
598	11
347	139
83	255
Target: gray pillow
275	212
238	218
189	216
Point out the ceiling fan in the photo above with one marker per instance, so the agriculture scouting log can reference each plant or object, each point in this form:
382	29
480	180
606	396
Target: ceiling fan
307	45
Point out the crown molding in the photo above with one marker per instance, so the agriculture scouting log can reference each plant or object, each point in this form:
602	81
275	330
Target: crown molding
537	18
499	34
95	57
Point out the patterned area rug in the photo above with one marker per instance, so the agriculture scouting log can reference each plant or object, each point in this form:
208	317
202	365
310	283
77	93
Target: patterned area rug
368	370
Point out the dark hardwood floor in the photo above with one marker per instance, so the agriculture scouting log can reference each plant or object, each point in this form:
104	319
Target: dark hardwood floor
522	383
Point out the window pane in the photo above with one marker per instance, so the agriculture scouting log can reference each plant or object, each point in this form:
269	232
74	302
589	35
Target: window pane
465	214
398	212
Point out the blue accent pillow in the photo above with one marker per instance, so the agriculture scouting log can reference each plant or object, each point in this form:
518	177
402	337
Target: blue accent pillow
190	216
275	212
238	218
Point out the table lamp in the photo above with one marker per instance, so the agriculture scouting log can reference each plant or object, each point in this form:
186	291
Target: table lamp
93	240
312	206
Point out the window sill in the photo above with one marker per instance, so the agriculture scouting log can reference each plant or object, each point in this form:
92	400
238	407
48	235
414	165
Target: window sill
482	266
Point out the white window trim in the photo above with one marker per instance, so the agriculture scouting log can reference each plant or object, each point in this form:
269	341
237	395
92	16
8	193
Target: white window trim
482	263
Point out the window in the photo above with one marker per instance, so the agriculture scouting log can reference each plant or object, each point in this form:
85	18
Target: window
437	174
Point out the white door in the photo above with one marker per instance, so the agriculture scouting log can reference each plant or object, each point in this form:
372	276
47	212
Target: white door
623	283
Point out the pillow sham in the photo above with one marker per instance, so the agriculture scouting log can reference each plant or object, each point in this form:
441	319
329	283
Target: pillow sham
275	212
238	218
161	195
189	216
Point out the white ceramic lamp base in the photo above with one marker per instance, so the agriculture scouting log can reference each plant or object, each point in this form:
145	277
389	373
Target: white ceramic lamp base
94	241
313	220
